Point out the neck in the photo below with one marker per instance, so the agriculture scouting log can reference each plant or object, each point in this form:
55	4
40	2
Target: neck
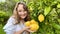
22	20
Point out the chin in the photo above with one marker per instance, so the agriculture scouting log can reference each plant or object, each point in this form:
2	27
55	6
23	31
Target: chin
23	17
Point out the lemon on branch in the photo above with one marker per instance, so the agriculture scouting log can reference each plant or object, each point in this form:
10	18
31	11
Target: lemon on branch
31	8
41	18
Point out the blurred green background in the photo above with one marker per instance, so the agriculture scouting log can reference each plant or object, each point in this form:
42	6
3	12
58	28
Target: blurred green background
50	9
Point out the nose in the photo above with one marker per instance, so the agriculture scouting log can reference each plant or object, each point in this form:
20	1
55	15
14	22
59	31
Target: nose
22	12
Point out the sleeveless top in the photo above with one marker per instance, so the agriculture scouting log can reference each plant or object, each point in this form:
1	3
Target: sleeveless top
11	28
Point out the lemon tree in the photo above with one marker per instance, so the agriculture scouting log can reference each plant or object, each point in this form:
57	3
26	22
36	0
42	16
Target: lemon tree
47	15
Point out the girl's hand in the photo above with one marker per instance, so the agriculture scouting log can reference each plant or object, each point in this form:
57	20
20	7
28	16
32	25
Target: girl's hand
30	31
26	28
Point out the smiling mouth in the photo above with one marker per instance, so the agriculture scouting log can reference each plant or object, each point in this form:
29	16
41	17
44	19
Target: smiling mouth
23	15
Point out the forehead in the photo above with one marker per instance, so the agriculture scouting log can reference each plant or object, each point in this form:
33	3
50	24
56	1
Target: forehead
20	6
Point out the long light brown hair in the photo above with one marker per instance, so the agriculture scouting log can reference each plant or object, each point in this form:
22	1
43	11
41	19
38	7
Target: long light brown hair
15	12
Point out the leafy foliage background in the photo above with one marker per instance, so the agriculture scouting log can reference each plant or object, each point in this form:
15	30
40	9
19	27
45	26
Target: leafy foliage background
49	8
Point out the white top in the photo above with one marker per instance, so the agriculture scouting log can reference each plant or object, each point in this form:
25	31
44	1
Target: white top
10	27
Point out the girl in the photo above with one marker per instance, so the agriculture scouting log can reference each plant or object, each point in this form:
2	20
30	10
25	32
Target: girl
15	24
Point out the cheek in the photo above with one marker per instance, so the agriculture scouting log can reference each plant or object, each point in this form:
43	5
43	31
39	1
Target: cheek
19	13
26	13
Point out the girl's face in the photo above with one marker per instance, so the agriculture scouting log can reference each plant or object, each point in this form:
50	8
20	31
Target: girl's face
22	14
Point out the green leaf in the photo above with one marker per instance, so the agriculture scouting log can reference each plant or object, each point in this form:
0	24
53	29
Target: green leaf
57	31
16	0
56	26
25	0
58	6
58	20
47	10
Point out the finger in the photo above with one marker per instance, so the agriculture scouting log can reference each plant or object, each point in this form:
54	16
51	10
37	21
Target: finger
28	27
30	31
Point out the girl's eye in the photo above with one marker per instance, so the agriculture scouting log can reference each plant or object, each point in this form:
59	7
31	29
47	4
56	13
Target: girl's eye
19	11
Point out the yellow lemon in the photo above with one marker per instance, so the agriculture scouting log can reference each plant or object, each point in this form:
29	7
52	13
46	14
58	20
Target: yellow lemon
27	23
33	22
34	27
31	8
41	18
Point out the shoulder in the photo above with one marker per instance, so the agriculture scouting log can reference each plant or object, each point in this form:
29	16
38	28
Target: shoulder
10	23
11	19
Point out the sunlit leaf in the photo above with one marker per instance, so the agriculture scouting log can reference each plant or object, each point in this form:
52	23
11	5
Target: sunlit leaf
47	10
58	6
